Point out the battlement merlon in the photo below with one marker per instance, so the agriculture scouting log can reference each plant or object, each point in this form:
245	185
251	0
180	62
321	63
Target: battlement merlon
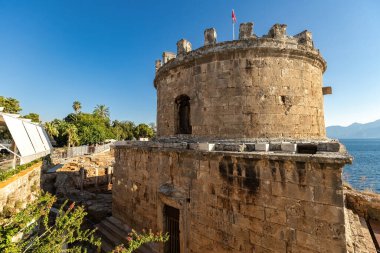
277	39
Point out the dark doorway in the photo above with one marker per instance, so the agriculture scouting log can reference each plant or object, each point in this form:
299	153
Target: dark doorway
183	114
171	219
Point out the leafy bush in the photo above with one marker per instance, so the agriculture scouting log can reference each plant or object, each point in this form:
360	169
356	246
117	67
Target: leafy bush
137	240
38	232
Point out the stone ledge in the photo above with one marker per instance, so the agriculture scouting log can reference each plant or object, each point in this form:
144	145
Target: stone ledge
324	157
309	148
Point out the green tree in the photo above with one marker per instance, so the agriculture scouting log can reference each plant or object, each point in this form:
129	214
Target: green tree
126	127
91	128
11	105
71	131
144	131
51	129
77	106
102	111
33	116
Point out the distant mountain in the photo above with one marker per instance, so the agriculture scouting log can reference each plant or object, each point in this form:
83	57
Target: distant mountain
355	131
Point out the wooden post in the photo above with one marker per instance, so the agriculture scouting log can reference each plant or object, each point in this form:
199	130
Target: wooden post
14	148
81	178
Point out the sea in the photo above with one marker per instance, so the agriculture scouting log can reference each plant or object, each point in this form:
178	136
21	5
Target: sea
364	173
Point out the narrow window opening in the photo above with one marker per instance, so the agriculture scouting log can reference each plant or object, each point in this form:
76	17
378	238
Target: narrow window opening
304	148
171	219
183	114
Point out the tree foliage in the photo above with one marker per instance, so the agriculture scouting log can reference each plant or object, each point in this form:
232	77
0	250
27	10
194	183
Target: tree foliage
51	129
102	111
143	131
33	116
11	105
96	127
77	106
71	131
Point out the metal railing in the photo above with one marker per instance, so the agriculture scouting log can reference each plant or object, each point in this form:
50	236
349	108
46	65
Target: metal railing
80	150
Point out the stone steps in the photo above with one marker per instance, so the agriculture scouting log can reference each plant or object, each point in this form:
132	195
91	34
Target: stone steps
107	246
113	233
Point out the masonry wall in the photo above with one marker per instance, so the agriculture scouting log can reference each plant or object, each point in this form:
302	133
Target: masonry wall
17	191
245	89
234	202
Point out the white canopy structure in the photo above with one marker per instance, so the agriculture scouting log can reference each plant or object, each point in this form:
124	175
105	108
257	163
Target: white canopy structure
30	138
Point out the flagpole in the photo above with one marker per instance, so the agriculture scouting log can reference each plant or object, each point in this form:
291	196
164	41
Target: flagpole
233	24
233	30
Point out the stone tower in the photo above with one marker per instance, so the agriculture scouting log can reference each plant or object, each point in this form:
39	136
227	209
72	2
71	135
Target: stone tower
267	87
241	162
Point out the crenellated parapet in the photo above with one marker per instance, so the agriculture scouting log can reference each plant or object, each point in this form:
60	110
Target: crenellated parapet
253	87
278	31
246	31
276	38
210	36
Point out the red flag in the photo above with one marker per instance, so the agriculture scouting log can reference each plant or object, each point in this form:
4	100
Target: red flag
233	16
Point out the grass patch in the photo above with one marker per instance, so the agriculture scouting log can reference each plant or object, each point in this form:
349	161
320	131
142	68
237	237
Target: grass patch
7	174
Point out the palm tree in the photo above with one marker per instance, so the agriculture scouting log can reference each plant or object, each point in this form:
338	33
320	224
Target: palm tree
102	111
51	129
77	106
71	132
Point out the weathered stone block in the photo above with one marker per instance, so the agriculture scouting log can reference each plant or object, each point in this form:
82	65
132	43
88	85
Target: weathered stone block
278	31
275	245
204	146
157	65
177	145
329	147
275	146
328	196
183	47
293	191
245	30
167	56
236	147
275	216
305	38
288	147
262	147
210	36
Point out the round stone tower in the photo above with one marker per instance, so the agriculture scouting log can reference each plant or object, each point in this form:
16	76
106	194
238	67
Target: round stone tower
254	87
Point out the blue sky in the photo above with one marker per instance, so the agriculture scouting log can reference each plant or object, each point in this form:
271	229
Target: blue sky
102	52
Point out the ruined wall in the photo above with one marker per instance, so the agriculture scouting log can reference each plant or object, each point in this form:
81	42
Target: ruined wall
234	202
365	204
269	87
17	191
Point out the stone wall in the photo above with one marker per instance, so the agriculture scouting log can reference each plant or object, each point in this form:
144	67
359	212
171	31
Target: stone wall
269	87
234	202
17	191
